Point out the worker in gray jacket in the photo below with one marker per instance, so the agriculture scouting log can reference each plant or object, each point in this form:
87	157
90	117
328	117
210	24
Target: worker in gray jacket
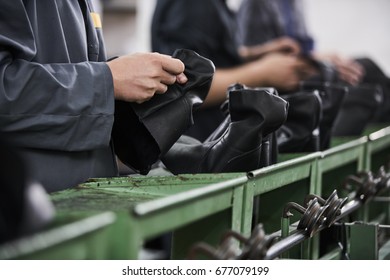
57	91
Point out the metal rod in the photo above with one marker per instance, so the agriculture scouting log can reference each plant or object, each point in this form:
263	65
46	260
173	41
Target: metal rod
348	208
381	199
300	235
285	244
351	224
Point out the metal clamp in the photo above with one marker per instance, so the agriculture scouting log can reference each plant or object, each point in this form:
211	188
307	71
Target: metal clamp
254	248
226	251
313	215
365	184
334	204
368	185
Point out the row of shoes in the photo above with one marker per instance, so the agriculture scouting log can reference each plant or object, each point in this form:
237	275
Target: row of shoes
146	133
258	124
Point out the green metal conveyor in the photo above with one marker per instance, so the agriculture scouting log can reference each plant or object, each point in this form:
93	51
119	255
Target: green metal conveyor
111	218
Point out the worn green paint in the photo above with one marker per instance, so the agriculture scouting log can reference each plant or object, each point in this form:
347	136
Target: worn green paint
202	207
151	206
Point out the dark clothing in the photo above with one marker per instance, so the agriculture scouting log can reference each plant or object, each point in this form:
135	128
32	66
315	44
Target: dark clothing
56	100
207	27
260	21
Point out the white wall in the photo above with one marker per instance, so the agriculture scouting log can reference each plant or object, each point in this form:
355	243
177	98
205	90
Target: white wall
350	27
145	9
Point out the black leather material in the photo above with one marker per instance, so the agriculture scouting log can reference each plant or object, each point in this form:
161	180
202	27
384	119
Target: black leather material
144	132
253	113
300	133
332	97
225	111
358	110
269	150
133	143
375	76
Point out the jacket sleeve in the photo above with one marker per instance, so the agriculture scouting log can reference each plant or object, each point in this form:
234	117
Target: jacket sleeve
61	106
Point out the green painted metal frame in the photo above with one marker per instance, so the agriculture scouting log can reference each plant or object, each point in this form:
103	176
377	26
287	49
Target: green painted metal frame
198	207
70	237
334	165
338	157
378	143
359	153
340	161
363	241
277	176
150	206
281	183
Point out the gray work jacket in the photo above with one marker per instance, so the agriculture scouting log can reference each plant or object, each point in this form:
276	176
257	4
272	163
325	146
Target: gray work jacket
56	98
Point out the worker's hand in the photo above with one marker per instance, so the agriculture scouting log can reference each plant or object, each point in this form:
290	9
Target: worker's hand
348	70
138	77
283	44
284	72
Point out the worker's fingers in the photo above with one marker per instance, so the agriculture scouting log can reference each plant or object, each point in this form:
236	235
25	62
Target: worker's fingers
172	65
